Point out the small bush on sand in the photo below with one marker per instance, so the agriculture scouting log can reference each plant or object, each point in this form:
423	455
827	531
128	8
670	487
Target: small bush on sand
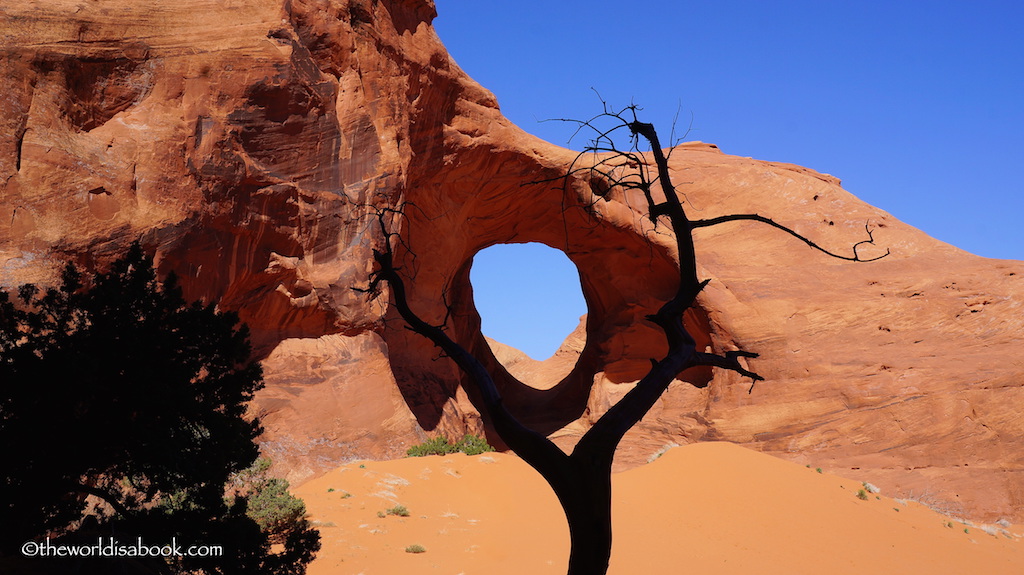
473	445
469	444
398	510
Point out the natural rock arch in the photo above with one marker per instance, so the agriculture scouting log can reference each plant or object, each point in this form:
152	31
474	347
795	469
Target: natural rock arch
185	169
619	342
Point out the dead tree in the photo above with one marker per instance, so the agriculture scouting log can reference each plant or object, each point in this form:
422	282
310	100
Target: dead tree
582	480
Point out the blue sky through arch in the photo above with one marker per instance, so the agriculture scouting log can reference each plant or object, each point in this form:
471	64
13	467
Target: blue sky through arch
528	296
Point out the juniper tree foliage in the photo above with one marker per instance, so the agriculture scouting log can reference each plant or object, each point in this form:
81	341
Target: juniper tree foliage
122	412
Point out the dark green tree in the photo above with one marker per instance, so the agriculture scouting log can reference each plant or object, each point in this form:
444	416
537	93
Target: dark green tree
122	413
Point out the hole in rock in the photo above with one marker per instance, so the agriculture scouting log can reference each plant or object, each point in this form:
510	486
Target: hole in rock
529	298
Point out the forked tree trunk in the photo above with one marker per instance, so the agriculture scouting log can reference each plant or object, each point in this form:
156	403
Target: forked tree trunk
582	481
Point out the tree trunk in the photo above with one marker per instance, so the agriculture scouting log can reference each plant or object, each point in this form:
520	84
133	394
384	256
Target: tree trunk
586	497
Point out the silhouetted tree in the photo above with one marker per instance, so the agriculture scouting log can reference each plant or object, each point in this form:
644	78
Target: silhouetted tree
582	479
122	413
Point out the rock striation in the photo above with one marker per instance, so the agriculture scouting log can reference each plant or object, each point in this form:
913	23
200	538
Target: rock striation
252	146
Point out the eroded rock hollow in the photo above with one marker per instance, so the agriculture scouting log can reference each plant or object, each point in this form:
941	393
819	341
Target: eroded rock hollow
250	145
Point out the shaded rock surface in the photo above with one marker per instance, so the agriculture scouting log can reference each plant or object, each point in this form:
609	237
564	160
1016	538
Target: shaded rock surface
250	144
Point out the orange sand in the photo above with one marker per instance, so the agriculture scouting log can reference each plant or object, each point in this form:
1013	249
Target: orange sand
712	507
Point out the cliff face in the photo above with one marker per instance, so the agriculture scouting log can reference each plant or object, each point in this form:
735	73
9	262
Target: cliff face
251	145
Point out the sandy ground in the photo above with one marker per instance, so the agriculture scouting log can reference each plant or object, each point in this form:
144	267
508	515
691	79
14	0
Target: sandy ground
711	507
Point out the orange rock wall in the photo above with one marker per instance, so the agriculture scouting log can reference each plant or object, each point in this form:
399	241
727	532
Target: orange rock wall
250	143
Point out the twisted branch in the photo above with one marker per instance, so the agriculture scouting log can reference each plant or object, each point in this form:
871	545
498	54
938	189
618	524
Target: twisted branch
534	448
765	220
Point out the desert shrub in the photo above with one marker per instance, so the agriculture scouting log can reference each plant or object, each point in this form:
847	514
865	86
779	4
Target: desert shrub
469	444
861	494
415	549
268	501
436	446
399	510
473	445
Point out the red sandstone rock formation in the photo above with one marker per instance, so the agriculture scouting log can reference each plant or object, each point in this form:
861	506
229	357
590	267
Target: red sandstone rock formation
246	142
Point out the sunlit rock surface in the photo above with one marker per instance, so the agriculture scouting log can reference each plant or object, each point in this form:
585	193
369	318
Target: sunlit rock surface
251	144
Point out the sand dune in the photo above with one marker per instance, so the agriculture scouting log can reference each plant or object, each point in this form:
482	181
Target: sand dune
713	507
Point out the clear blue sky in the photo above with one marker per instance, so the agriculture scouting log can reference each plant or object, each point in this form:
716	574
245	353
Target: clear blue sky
918	107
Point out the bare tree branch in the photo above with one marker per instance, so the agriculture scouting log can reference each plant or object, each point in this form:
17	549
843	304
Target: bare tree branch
531	446
764	220
606	433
